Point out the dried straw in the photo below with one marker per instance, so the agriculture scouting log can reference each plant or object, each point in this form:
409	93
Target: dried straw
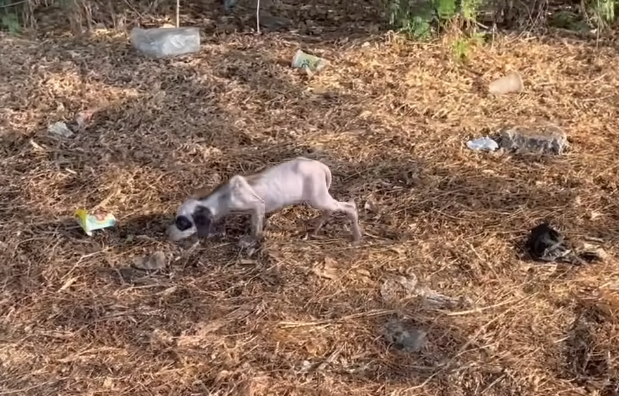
391	119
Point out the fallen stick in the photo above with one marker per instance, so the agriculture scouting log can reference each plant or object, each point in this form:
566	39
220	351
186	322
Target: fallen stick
258	16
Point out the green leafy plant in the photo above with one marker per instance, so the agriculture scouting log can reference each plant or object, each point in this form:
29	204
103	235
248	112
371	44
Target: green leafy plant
479	38
445	9
419	28
422	18
9	18
10	21
469	9
604	12
460	49
565	20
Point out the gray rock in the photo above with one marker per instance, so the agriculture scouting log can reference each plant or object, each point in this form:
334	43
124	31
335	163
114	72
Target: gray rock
273	22
541	139
60	129
156	261
403	337
230	4
398	287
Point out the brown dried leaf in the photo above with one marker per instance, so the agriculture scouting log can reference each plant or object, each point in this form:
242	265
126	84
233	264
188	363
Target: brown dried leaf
256	386
327	269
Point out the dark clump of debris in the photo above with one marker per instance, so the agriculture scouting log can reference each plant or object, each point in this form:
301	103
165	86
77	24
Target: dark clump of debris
541	139
404	337
547	244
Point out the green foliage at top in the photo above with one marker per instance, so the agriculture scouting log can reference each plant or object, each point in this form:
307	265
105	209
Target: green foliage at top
604	12
445	9
421	19
470	8
462	46
9	18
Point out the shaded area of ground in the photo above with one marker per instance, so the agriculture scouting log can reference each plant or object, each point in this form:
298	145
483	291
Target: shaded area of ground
391	119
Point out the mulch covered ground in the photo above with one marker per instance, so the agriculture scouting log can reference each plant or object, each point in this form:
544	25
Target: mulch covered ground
303	315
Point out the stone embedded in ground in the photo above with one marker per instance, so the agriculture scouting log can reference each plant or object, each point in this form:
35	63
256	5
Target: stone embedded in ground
60	129
230	4
274	22
398	287
156	261
404	337
539	139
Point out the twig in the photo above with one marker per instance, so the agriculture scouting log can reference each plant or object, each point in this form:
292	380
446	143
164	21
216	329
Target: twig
24	390
108	198
178	13
258	16
373	313
478	310
482	259
12	4
597	31
496	381
80	261
471	340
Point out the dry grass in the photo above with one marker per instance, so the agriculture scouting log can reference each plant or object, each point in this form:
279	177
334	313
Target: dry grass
391	119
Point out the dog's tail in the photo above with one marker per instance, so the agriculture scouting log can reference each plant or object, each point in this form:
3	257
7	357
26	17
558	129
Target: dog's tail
325	168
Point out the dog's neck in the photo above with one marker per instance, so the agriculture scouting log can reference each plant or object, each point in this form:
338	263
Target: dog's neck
215	200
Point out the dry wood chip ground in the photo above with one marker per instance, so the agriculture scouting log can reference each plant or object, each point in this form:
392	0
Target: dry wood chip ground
303	315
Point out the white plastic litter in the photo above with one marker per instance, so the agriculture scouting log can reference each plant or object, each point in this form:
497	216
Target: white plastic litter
166	42
482	143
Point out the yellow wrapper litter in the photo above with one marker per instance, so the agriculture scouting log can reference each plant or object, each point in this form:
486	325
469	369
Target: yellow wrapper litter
89	222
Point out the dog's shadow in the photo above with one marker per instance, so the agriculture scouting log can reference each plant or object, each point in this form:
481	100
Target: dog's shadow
152	225
231	228
239	225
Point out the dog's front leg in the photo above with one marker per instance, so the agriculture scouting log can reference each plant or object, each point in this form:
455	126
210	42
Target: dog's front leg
257	221
218	228
257	224
245	199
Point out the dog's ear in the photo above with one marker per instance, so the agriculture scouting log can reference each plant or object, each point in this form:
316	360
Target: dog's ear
203	220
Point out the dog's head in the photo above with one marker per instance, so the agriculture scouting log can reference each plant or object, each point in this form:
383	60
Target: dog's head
191	217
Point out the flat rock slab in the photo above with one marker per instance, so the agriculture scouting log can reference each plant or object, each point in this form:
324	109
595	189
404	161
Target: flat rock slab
539	139
273	22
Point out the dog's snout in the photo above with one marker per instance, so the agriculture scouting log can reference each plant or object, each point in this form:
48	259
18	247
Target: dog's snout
182	223
173	233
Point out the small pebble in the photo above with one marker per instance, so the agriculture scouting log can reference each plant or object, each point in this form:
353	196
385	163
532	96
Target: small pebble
156	261
403	337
